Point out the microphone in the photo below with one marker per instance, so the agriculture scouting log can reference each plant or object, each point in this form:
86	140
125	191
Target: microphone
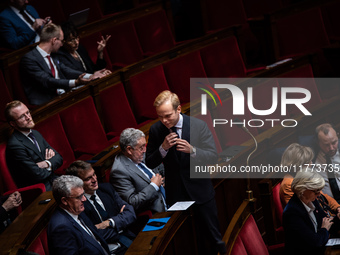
249	192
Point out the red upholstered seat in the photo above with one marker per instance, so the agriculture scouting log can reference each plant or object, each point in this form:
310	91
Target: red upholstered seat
5	97
309	36
154	33
263	100
244	238
83	128
258	8
223	59
277	203
7	181
309	84
179	71
28	194
142	89
252	239
53	132
123	48
207	119
221	14
90	43
40	245
238	248
232	135
16	84
331	19
116	110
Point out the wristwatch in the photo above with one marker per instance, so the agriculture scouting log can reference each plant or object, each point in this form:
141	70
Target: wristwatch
110	223
193	150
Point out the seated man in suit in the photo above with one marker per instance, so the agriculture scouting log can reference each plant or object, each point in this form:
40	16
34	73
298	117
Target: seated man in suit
44	77
20	24
104	206
29	157
7	204
70	231
327	156
134	182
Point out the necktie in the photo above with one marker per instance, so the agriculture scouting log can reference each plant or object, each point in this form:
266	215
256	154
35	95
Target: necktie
51	65
332	181
103	214
174	129
26	17
148	172
88	230
30	135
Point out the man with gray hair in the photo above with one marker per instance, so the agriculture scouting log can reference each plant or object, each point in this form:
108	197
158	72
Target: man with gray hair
43	76
70	231
135	183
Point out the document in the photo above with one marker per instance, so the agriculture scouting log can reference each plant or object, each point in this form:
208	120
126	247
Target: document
333	241
181	206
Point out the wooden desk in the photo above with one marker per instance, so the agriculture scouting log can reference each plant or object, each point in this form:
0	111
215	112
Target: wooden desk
27	226
330	251
177	237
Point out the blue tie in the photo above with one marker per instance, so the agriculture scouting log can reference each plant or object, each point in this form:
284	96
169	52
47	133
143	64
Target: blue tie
148	172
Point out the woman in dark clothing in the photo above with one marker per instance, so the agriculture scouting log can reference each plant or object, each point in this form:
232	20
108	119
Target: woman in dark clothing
75	56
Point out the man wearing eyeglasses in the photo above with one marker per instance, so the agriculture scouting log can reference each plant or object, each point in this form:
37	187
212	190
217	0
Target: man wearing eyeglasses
70	231
135	183
43	76
29	157
104	207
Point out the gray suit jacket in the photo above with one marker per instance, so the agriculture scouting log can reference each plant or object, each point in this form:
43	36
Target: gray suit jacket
134	187
39	84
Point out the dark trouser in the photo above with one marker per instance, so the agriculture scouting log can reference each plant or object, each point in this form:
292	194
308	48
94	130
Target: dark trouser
207	227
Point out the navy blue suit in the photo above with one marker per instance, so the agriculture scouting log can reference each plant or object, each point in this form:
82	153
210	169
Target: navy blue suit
178	184
113	204
67	237
300	235
14	32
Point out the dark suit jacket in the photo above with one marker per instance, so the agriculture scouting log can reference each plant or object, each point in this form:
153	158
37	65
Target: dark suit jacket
39	84
299	230
177	170
113	203
4	215
21	158
134	187
67	59
14	32
67	237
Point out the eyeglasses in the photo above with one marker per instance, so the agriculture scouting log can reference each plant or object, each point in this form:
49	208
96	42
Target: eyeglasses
140	148
80	197
317	192
72	40
24	115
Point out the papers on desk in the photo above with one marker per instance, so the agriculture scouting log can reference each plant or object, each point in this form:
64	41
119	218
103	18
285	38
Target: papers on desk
181	206
156	224
333	241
